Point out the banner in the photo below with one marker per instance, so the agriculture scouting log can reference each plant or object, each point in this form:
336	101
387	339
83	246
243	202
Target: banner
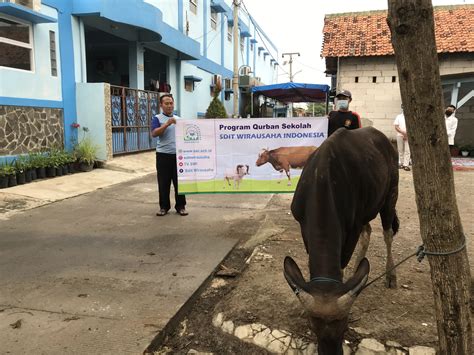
245	155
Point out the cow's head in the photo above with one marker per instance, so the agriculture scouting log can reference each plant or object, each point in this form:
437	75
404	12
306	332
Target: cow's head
262	157
327	302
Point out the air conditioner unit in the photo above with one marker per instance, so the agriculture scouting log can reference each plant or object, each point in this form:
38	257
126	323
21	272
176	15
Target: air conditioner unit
244	80
246	70
227	84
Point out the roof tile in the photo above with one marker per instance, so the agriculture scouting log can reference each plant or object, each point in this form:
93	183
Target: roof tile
367	33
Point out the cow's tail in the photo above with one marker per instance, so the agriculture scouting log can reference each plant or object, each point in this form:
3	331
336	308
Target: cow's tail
395	223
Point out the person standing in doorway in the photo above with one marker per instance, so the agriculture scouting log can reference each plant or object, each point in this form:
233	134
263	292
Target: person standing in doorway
451	123
163	126
402	142
343	117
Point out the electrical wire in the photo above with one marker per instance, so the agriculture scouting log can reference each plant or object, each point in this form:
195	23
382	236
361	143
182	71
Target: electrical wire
244	8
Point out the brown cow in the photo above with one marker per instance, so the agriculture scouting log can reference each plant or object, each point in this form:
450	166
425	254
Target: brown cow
284	158
352	177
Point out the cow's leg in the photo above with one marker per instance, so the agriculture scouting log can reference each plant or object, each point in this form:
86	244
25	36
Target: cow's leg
358	252
362	245
289	178
391	276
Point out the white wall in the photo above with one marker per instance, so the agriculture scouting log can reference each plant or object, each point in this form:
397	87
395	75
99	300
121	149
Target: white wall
37	84
169	8
91	106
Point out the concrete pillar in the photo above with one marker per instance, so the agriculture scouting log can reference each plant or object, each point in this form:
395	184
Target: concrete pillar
136	66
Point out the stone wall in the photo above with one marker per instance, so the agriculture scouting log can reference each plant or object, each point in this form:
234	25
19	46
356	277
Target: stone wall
30	129
373	82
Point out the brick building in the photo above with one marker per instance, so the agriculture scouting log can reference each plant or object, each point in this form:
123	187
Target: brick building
360	58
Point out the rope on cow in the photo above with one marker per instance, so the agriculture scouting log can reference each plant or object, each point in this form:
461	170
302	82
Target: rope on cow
420	254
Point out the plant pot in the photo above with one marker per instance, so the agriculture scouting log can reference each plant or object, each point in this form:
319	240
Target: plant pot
65	170
71	168
20	178
464	153
3	182
33	174
27	176
59	171
454	151
50	171
12	180
86	166
41	173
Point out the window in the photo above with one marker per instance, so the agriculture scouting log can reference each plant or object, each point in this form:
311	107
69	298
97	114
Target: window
394	79
356	79
229	32
188	85
374	79
213	19
242	43
27	3
193	6
251	46
16	44
52	53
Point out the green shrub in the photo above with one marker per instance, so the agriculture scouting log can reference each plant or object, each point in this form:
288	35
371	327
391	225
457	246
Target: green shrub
216	109
86	151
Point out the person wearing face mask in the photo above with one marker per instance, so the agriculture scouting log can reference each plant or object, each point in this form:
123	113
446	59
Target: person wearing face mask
451	123
343	118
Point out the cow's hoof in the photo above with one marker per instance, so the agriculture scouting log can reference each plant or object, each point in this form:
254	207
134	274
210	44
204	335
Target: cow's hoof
391	281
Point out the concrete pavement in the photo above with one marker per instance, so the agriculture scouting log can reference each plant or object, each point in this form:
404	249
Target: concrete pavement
87	268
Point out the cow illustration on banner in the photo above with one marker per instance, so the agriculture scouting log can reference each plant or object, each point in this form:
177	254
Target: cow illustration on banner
245	155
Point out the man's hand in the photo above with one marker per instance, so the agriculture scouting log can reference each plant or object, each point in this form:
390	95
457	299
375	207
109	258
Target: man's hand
171	121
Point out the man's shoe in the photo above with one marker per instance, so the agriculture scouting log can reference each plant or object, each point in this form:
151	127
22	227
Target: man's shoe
161	213
182	212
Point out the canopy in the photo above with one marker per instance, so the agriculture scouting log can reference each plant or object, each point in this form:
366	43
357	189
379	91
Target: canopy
293	92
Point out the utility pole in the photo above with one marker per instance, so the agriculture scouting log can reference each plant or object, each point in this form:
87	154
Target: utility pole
291	73
290	62
235	79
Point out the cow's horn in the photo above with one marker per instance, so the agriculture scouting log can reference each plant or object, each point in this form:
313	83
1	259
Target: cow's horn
356	283
297	283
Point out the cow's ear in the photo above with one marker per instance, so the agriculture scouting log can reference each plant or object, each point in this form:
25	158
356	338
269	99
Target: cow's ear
293	275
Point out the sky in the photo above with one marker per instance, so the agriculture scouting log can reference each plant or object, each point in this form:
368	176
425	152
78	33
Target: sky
296	26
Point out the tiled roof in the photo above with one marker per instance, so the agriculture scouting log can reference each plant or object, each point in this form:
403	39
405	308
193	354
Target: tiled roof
367	33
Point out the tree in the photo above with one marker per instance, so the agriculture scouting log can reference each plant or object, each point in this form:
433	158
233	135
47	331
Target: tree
319	109
216	109
412	29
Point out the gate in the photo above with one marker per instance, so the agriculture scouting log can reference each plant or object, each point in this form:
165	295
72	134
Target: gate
132	111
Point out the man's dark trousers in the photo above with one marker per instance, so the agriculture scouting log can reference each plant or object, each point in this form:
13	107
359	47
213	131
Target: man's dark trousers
166	172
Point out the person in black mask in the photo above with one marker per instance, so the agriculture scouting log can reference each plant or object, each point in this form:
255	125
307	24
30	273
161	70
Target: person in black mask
451	123
343	117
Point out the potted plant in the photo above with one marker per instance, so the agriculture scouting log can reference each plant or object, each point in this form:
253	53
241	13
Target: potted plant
3	176
465	149
38	163
454	151
10	172
86	154
20	168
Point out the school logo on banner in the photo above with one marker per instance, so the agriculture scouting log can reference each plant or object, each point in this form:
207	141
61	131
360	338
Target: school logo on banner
192	133
264	155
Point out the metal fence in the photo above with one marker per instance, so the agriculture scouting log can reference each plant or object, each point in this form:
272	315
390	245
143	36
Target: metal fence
132	111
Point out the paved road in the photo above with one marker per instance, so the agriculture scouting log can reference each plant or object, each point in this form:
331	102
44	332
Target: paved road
100	273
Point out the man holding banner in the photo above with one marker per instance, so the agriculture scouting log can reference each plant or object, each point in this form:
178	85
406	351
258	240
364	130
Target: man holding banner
163	126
